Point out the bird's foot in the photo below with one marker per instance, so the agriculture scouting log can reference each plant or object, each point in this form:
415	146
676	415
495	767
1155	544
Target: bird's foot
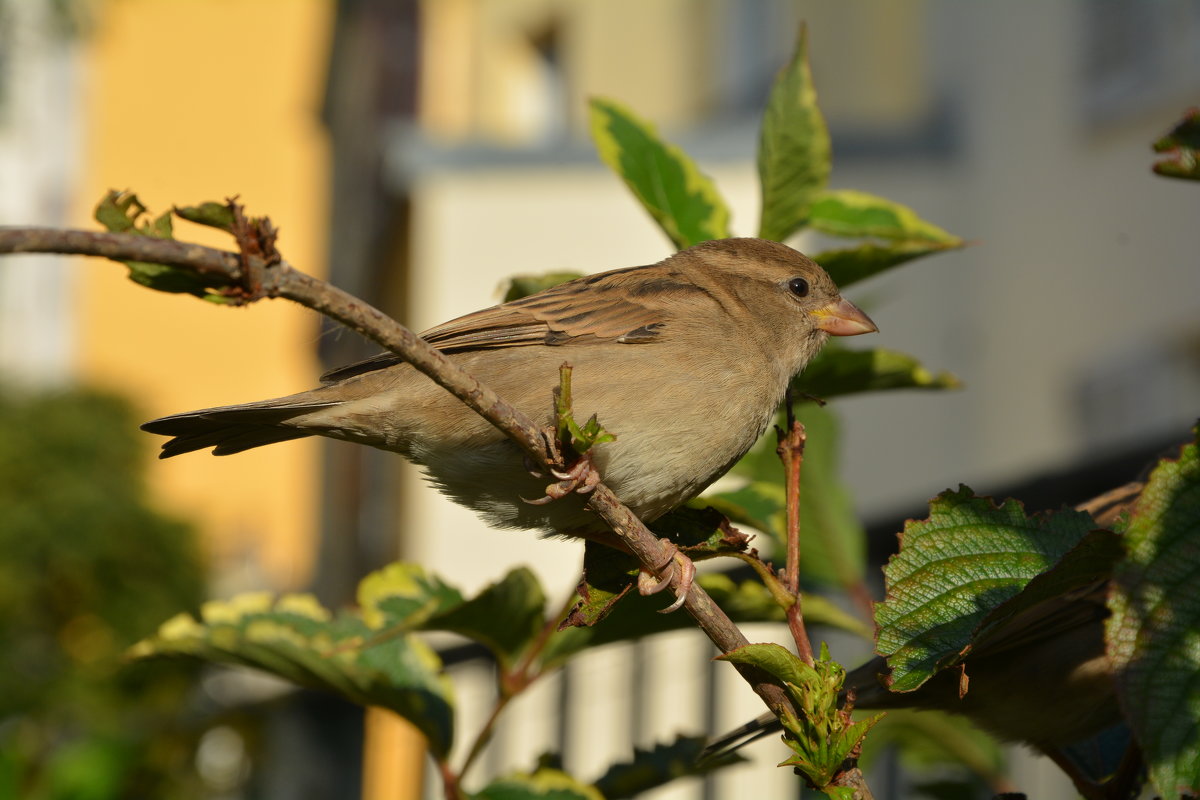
649	584
581	477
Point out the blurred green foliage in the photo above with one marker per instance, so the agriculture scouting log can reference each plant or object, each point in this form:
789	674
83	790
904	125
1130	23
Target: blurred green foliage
86	567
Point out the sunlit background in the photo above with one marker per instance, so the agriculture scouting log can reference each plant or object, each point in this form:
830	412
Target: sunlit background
417	153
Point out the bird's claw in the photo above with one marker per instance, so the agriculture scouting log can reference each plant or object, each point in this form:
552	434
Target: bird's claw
649	584
581	477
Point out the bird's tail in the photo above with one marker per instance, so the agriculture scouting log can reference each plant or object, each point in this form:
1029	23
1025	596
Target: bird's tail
232	429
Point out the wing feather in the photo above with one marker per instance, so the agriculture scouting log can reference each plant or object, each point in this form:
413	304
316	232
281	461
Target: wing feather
619	305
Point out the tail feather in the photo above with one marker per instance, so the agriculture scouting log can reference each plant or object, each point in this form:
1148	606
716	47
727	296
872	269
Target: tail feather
233	429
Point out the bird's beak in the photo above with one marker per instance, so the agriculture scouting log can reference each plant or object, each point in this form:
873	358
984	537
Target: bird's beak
843	318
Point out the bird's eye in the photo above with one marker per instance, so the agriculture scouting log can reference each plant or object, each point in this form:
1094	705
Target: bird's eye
799	287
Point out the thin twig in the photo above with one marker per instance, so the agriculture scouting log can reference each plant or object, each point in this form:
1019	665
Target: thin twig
221	266
450	782
485	733
512	683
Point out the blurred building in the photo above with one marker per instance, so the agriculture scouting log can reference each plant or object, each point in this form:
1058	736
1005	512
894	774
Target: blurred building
455	154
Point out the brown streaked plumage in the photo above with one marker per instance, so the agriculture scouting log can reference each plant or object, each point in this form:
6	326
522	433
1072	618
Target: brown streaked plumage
685	361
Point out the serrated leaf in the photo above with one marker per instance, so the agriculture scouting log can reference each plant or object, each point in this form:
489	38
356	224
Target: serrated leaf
519	286
1153	634
680	198
505	617
851	213
405	595
838	371
793	150
663	763
953	568
297	639
832	541
850	265
544	784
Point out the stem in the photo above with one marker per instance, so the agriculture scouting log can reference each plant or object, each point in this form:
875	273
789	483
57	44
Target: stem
450	786
791	453
767	575
485	733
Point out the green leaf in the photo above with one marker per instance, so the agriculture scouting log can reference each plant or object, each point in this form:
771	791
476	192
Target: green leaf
545	784
404	595
953	569
851	265
839	371
774	659
793	150
682	200
850	213
576	440
1152	633
210	214
122	212
519	286
664	763
832	541
506	617
296	638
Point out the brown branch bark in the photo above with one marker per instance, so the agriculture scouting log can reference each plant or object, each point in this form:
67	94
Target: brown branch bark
221	266
282	280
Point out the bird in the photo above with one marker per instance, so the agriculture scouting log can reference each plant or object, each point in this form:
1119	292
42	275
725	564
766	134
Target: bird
684	361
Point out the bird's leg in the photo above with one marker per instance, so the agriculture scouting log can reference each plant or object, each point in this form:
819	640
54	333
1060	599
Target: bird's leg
581	477
649	584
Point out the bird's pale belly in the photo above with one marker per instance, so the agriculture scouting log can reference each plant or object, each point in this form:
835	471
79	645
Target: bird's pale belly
653	468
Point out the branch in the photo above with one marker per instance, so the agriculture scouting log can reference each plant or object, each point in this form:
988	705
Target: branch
282	280
222	267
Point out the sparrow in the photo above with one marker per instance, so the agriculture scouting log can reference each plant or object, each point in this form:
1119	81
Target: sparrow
684	361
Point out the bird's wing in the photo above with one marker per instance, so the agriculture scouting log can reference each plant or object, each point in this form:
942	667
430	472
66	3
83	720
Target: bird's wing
611	305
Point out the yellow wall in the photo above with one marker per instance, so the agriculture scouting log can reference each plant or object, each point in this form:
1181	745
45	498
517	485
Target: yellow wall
192	100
